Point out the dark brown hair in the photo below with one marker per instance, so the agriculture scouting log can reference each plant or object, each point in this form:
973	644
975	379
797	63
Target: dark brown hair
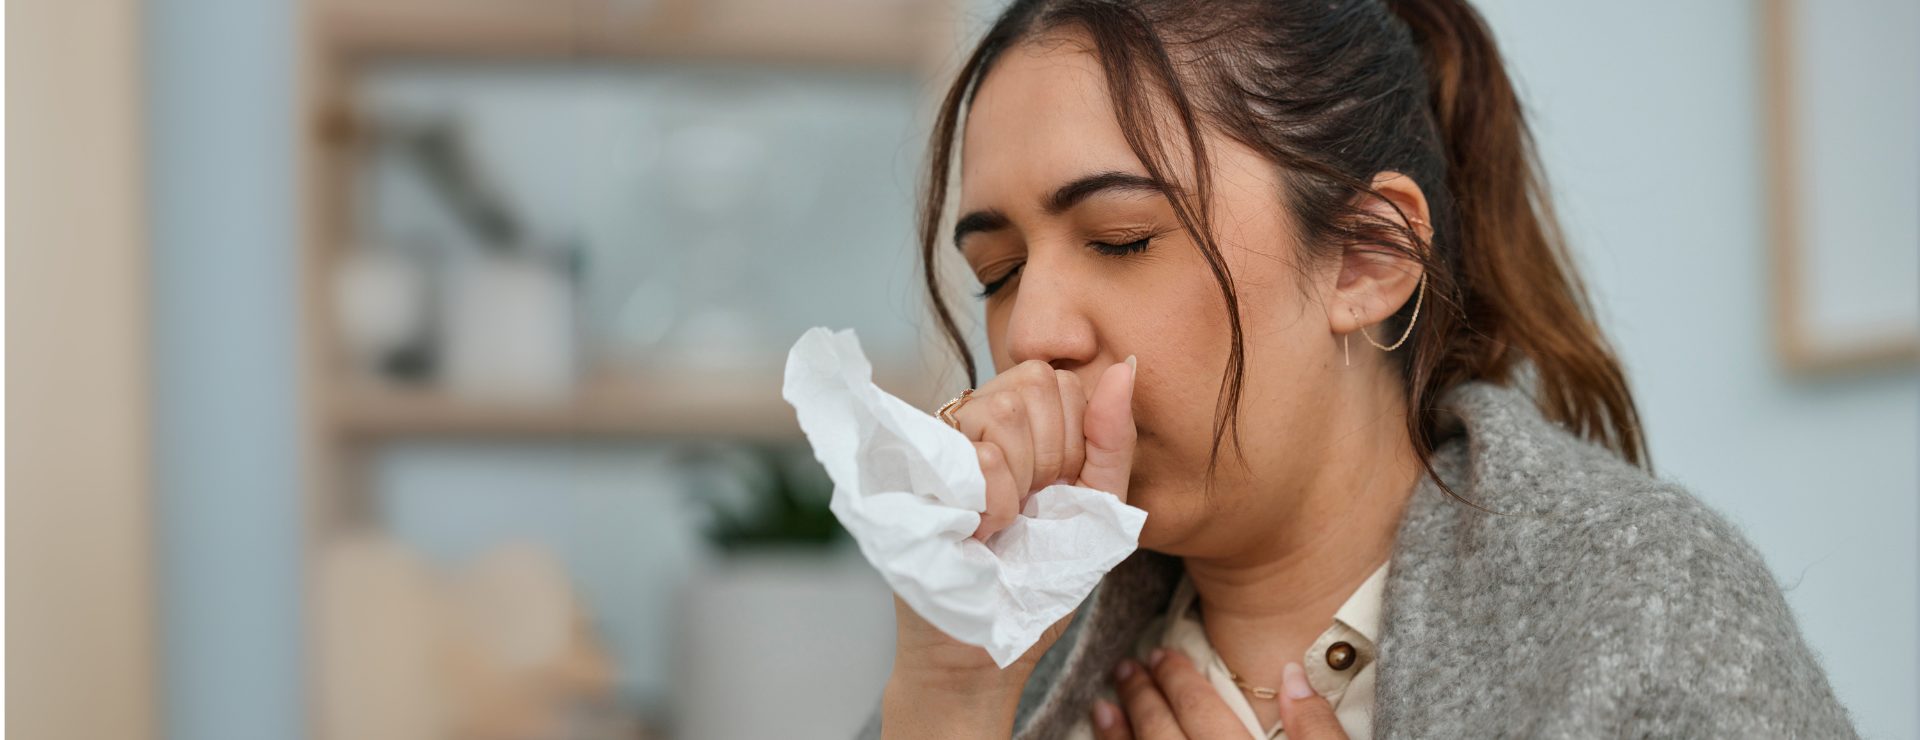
1334	92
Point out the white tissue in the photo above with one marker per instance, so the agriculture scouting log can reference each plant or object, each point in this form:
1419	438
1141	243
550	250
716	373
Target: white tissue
909	489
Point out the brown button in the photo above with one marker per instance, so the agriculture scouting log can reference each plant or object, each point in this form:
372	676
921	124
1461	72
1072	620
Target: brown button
1340	656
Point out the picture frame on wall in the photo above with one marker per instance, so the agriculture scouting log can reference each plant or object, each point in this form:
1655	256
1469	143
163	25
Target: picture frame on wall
1842	143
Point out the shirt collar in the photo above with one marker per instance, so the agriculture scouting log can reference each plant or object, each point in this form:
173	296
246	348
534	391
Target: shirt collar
1360	612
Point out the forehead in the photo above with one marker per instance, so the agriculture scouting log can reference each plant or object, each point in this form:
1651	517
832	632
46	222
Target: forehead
1041	117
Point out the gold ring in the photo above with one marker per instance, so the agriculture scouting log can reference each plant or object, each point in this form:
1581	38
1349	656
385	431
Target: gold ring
946	409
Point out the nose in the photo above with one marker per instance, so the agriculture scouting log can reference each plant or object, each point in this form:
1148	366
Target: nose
1049	320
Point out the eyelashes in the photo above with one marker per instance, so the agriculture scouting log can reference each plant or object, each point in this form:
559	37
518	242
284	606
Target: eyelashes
1111	250
994	287
1121	250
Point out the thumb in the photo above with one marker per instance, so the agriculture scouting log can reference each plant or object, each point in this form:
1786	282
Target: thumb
1109	430
1303	711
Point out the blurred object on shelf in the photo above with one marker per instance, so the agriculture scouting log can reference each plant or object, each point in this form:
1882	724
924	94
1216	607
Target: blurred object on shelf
379	637
525	652
439	151
492	308
701	204
498	650
510	331
384	304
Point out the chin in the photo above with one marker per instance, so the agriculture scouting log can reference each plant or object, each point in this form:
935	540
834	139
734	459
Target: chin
1175	514
1161	525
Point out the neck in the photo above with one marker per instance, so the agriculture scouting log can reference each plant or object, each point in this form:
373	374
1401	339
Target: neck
1266	602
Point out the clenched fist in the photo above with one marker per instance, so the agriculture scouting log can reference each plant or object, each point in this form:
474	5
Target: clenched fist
1034	425
1031	426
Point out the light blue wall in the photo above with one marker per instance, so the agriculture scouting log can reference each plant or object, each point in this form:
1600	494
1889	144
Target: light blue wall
221	138
1648	116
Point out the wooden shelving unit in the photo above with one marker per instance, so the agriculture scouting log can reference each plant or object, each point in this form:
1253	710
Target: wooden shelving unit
346	417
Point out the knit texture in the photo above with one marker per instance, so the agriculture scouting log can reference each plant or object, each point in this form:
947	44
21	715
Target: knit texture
1611	604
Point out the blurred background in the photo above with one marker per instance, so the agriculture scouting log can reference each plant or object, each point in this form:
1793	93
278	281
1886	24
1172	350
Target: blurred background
409	368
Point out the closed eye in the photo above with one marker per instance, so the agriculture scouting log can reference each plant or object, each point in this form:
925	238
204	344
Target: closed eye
1112	250
1121	250
994	287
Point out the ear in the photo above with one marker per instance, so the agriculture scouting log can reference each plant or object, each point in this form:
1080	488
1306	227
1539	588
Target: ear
1376	280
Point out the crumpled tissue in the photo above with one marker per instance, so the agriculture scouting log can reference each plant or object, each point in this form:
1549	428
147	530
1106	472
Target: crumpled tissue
910	491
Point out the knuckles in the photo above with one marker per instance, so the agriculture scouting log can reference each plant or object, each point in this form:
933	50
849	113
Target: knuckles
1005	407
990	455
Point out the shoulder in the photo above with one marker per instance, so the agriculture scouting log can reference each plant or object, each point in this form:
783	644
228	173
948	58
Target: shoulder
1602	573
1578	517
1554	490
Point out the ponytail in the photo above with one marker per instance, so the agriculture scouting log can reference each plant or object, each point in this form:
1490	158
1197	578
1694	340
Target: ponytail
1520	287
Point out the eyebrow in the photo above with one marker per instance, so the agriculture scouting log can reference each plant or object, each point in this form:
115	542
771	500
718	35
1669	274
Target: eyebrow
1063	198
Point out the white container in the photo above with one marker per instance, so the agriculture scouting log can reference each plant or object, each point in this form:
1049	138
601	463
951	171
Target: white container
790	643
510	334
380	303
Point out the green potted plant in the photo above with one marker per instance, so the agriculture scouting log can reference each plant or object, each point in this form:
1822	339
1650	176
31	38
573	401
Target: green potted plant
786	495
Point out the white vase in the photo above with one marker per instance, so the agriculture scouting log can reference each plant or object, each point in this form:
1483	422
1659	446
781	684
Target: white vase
510	331
790	643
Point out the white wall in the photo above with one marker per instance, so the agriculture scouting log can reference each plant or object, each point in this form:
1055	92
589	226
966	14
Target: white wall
1649	117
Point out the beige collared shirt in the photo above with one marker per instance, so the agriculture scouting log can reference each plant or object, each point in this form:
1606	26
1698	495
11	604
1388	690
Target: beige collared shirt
1355	628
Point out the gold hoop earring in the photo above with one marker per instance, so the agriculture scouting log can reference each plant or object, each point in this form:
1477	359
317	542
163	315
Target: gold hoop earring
1410	319
1345	351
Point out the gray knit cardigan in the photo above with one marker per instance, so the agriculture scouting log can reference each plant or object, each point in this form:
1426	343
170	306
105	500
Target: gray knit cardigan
1614	605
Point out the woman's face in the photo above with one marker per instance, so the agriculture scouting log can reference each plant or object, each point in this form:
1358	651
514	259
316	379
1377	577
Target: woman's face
1047	182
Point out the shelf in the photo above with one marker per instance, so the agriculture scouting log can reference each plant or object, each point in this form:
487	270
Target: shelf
896	33
732	405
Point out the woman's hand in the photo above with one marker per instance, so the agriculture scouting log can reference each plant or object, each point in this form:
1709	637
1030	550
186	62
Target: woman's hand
1031	426
1168	699
1034	425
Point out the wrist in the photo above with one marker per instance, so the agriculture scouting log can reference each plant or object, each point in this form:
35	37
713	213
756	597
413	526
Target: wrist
978	684
951	703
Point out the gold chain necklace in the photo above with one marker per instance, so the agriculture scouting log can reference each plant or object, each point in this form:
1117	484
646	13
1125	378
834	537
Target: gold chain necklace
1258	692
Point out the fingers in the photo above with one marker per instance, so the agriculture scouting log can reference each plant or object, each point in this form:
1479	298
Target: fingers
1166	698
1036	425
1000	417
1003	496
1148	714
1110	432
1109	723
1073	409
1040	389
1303	711
1196	705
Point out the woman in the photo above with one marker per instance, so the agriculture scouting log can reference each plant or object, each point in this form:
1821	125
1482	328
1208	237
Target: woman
1447	529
